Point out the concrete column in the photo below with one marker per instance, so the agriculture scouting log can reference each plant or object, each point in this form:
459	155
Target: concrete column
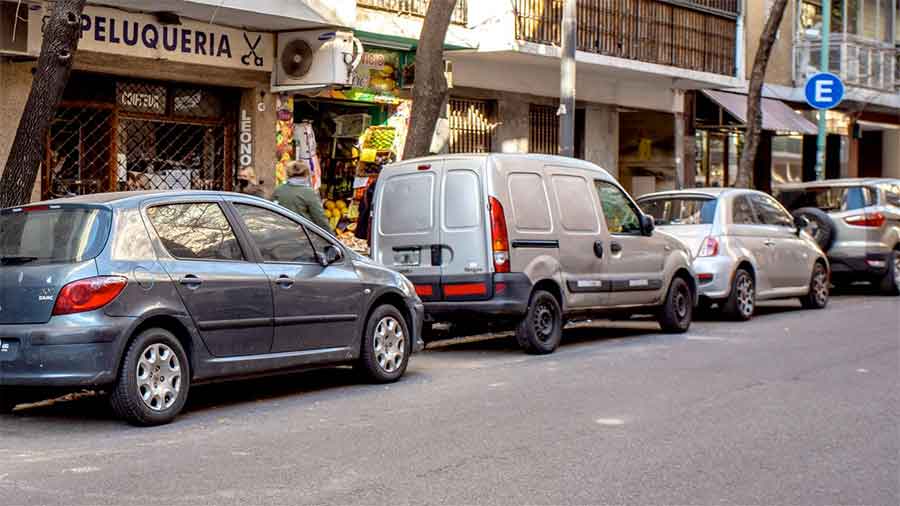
256	135
511	135
601	137
891	154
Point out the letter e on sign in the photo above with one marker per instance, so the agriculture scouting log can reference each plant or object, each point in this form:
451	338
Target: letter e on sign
824	91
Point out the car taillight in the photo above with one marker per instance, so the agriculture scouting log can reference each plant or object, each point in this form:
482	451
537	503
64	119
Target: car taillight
875	220
709	247
88	294
499	237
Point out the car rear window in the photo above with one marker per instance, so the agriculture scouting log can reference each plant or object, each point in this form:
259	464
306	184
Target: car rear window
681	210
52	234
844	198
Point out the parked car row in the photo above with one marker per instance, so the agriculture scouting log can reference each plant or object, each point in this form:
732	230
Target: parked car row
145	294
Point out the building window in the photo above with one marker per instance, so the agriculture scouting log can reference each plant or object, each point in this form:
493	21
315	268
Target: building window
471	126
543	130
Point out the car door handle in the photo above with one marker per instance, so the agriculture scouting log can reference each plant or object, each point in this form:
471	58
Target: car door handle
284	281
769	242
598	249
191	282
615	248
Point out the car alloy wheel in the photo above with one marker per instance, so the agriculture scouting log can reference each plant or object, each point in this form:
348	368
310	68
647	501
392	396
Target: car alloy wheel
820	286
158	377
745	295
389	344
896	270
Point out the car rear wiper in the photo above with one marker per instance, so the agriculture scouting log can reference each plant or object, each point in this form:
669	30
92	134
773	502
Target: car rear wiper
16	260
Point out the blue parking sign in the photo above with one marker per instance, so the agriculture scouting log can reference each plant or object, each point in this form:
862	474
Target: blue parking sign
824	91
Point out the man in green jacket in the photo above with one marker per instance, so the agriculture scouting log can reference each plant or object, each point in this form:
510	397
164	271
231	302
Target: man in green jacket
298	196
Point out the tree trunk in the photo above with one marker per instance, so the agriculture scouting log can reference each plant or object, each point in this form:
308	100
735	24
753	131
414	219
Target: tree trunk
754	96
60	41
430	88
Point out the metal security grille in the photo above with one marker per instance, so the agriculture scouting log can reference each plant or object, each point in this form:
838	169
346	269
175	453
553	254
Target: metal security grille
140	136
543	130
471	126
416	8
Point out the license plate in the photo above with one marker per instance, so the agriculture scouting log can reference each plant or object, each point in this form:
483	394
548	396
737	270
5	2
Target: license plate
408	258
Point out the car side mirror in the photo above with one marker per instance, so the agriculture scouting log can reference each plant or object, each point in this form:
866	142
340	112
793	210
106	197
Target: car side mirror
801	223
647	225
330	255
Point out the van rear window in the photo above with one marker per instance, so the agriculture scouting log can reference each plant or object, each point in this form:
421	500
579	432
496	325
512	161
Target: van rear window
48	235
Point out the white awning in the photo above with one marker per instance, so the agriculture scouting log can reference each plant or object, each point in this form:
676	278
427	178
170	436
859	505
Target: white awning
776	114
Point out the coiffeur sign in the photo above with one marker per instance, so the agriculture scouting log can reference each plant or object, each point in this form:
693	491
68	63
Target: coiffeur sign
113	31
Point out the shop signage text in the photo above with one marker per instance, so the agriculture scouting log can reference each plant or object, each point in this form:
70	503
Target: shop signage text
113	31
245	140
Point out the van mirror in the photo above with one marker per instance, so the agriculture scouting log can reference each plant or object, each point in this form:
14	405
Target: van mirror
647	225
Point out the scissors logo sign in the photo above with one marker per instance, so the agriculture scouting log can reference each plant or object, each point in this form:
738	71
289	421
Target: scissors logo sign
251	46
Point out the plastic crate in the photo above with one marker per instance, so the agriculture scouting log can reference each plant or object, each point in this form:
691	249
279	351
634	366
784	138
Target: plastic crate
351	125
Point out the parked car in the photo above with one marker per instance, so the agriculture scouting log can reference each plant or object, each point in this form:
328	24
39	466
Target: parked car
857	222
146	294
746	247
527	242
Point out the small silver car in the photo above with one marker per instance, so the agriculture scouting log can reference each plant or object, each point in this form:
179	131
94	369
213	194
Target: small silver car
857	222
746	248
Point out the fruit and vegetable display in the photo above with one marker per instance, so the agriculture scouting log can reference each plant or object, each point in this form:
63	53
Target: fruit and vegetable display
379	138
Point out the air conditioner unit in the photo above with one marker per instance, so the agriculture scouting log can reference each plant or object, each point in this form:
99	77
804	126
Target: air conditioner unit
315	59
14	29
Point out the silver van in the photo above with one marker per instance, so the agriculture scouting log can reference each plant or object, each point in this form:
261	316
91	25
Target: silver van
528	242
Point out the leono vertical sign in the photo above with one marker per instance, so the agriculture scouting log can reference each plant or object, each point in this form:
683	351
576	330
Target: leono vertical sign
113	31
245	152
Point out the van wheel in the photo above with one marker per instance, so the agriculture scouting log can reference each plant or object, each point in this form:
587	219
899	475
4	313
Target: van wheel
817	298
675	316
154	380
541	330
386	346
890	283
741	303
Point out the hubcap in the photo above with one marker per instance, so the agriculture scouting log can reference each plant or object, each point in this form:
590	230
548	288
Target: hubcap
389	344
820	286
681	304
158	377
745	295
544	321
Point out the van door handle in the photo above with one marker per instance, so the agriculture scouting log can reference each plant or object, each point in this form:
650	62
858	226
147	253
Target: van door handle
598	249
769	242
191	282
284	281
615	247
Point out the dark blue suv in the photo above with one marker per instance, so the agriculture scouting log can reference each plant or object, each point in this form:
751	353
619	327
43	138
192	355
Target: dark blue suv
144	294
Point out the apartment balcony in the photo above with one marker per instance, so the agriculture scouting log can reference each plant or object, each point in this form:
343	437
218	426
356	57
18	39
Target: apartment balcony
861	63
699	35
416	8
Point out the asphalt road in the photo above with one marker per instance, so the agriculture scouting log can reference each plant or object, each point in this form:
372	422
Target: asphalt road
796	407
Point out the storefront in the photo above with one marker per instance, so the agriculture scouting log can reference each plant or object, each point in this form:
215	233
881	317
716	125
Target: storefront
348	136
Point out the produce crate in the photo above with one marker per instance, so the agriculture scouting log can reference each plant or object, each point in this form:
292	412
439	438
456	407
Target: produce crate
351	125
380	138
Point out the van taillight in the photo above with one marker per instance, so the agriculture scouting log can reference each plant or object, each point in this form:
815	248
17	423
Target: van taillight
499	237
88	294
875	220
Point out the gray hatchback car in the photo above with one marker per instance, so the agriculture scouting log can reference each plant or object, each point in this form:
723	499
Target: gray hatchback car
145	294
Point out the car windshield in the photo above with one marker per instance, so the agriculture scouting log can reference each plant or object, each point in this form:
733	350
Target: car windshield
45	235
681	210
841	198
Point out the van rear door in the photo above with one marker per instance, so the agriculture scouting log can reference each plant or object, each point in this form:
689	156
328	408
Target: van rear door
466	273
407	235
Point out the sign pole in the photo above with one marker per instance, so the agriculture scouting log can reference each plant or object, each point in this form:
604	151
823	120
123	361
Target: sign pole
823	67
566	111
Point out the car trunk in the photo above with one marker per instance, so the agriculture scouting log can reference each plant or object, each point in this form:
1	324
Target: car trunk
690	235
42	248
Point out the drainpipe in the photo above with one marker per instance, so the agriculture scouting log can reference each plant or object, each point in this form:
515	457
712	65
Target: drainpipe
823	67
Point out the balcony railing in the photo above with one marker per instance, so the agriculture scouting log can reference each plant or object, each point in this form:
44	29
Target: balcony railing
416	8
859	62
691	34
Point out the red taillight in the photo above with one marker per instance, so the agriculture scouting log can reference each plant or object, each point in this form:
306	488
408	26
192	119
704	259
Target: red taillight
88	294
499	237
705	277
709	247
424	290
875	220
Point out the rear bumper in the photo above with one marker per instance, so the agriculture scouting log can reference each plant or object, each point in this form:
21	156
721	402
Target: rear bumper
721	268
510	302
869	264
71	351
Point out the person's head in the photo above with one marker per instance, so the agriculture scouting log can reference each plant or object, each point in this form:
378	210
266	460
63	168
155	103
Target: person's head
297	169
247	174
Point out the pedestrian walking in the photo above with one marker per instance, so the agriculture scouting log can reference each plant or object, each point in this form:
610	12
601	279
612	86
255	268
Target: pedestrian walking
247	183
299	196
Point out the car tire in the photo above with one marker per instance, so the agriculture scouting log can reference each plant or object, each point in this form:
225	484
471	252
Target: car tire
143	395
821	226
540	332
741	302
386	346
817	298
890	283
676	314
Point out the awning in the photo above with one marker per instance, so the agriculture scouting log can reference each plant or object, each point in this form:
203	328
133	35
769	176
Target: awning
776	114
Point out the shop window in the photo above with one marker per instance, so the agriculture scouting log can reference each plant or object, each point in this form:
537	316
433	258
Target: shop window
787	159
141	97
196	103
471	126
543	130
